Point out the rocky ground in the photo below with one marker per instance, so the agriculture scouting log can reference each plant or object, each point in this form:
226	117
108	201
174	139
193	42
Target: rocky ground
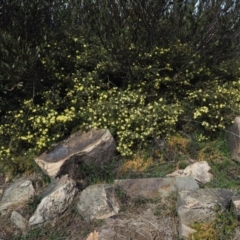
164	195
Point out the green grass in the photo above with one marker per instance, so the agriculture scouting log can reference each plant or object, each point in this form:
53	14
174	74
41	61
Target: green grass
160	169
100	173
222	228
226	175
40	233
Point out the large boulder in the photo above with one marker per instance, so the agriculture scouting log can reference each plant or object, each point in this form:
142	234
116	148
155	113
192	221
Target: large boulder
18	193
200	206
55	200
200	171
98	202
155	187
93	147
236	205
19	221
234	139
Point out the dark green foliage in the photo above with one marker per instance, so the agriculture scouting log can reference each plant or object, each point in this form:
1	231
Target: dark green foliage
143	69
130	29
100	173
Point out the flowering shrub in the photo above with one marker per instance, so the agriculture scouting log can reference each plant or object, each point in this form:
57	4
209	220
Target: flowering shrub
122	75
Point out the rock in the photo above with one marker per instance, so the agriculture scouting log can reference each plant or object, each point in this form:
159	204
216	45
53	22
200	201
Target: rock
95	146
199	206
234	139
55	200
199	170
93	236
237	234
98	202
186	183
155	187
147	187
185	231
20	192
19	221
236	205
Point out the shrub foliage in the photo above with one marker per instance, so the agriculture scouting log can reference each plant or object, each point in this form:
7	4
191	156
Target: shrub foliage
143	69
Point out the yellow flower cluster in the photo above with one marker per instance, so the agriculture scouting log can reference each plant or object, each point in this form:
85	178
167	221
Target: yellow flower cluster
158	94
198	112
128	114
